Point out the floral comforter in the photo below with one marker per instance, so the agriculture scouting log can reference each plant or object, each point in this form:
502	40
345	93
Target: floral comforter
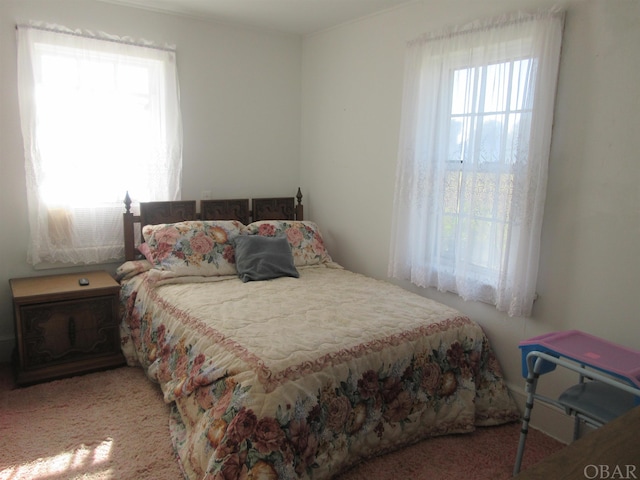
303	377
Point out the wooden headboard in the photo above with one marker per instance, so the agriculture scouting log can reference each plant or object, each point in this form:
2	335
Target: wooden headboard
243	210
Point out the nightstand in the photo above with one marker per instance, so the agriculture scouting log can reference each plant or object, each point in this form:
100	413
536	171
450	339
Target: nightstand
64	328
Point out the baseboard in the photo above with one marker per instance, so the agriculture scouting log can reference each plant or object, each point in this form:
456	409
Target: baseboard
546	418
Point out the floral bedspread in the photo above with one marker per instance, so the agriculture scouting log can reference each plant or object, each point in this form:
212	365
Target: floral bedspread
303	377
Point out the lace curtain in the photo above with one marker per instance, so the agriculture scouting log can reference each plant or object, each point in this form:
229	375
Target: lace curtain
472	164
100	116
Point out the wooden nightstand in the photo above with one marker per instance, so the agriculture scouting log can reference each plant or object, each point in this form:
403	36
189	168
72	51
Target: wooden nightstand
63	328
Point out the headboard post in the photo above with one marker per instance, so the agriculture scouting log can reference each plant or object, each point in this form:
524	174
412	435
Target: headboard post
129	240
299	207
127	203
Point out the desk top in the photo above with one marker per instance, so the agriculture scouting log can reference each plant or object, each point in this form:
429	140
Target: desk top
614	447
587	349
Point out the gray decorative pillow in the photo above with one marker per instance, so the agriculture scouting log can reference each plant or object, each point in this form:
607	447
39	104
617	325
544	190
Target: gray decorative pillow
263	258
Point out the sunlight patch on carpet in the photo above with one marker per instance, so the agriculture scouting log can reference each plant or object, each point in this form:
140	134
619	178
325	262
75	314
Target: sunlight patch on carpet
65	464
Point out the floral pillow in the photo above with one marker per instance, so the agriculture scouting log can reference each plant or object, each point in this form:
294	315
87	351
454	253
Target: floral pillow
198	248
305	239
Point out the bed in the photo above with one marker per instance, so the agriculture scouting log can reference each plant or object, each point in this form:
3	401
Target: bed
278	362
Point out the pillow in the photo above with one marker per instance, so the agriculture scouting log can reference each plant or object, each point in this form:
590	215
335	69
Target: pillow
306	242
144	249
263	258
194	248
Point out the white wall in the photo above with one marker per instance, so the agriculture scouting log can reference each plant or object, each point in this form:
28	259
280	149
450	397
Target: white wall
590	261
240	97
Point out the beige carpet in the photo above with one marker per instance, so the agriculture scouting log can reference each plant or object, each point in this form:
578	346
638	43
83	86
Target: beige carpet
110	425
114	425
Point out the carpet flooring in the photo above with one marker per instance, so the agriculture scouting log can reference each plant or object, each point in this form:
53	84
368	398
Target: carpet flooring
114	425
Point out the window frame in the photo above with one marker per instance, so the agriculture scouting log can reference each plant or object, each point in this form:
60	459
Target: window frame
476	115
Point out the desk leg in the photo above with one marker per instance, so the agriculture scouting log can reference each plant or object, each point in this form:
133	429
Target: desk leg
532	382
576	418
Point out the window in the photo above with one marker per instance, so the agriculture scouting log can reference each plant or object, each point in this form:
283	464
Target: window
488	116
100	117
471	176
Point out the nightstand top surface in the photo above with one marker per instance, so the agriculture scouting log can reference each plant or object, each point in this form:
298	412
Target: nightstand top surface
63	285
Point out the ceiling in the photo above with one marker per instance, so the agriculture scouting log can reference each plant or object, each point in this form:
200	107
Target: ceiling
300	17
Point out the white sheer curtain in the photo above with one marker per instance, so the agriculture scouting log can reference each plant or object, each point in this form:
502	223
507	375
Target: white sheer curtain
100	116
472	164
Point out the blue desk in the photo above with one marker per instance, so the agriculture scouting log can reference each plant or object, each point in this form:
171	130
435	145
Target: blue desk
608	378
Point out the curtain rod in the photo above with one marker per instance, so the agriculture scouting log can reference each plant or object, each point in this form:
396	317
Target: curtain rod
100	36
482	25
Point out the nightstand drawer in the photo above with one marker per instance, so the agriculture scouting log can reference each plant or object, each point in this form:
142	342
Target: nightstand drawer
61	331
